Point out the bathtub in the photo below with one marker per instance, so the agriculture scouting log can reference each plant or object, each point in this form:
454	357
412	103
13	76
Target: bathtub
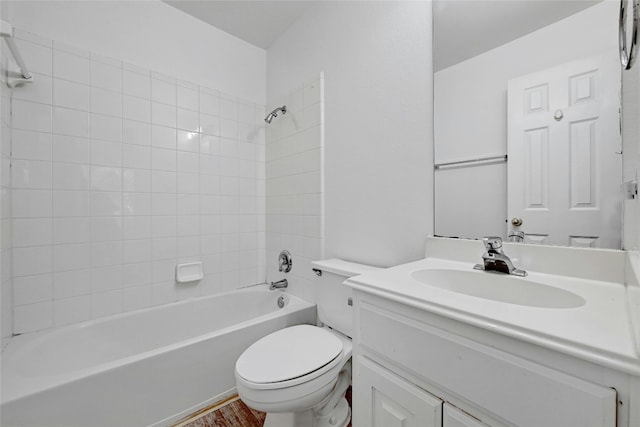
145	368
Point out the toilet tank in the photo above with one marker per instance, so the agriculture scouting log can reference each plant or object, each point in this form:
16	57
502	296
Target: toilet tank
332	297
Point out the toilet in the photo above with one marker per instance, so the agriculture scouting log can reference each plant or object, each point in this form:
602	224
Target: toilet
299	375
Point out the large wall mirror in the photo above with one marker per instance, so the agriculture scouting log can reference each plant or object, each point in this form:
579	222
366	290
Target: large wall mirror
527	127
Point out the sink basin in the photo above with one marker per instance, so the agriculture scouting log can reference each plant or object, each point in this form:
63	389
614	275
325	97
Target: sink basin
499	287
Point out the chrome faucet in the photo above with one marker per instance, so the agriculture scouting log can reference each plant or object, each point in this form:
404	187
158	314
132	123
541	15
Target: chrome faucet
495	260
280	284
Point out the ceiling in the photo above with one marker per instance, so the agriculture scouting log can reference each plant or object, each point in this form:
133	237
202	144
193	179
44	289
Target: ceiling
466	28
463	28
257	22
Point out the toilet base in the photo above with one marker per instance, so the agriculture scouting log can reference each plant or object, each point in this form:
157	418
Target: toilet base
341	416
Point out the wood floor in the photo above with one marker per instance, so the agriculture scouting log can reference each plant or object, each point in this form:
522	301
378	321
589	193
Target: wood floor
232	413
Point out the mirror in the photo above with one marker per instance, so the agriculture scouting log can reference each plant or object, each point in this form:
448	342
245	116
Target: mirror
527	128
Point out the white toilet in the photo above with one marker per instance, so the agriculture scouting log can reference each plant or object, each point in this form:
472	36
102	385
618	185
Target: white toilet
299	375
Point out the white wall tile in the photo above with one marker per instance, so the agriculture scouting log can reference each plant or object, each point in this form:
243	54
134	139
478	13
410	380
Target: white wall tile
31	145
188	98
136	204
106	229
137	250
136	156
137	227
117	175
71	67
106	76
70	95
70	149
163	115
163	137
138	297
163	181
32	289
106	102
136	84
31	174
70	122
69	176
72	310
70	230
72	283
136	109
71	257
106	178
106	153
188	120
32	317
106	253
229	108
107	278
106	128
32	232
32	260
136	132
31	203
105	203
107	303
164	92
70	203
136	180
162	159
31	116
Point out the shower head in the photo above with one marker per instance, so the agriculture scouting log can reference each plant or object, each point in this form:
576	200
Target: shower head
274	113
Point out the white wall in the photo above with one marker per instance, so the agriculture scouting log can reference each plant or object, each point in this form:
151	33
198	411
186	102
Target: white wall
377	64
153	35
471	113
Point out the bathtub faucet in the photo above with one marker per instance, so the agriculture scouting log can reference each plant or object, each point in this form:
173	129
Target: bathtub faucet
280	284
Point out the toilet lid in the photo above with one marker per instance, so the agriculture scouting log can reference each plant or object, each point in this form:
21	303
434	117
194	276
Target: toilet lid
287	354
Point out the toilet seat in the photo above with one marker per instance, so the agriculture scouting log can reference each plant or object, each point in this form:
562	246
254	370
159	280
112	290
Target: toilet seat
289	357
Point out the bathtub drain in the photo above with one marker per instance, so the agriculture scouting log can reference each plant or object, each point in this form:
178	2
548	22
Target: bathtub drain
280	302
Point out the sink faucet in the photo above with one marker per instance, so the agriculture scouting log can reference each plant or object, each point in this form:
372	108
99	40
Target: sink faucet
280	284
495	260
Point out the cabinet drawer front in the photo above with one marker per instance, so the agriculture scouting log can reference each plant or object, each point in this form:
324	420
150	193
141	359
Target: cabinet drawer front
383	399
521	392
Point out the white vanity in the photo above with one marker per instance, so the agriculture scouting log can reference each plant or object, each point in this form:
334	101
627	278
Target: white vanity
440	344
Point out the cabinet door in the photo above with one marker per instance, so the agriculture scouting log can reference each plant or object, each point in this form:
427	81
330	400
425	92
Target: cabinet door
453	417
383	399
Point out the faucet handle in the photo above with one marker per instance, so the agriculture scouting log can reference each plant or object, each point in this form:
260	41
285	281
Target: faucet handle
492	243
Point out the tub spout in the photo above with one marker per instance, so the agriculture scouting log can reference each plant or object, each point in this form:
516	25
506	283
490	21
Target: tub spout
280	284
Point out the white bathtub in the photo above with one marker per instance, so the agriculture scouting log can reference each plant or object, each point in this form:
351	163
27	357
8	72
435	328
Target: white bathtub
149	367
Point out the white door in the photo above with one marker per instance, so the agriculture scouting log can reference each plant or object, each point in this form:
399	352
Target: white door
383	399
565	169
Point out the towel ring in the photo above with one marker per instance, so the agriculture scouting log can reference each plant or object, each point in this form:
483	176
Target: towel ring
628	57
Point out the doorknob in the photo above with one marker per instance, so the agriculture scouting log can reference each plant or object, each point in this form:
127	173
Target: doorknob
516	222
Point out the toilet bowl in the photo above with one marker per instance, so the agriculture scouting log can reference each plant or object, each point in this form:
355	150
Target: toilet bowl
299	375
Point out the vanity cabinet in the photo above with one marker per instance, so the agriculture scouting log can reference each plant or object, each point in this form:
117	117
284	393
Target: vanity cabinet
387	400
416	369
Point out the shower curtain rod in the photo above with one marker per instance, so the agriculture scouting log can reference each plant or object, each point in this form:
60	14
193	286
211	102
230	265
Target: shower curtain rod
6	31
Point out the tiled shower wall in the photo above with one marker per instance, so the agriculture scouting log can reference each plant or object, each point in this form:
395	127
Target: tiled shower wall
294	185
120	173
6	287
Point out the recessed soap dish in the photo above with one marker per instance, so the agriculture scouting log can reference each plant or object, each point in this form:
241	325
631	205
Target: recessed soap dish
189	272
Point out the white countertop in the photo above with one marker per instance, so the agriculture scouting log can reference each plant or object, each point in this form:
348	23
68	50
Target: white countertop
599	331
